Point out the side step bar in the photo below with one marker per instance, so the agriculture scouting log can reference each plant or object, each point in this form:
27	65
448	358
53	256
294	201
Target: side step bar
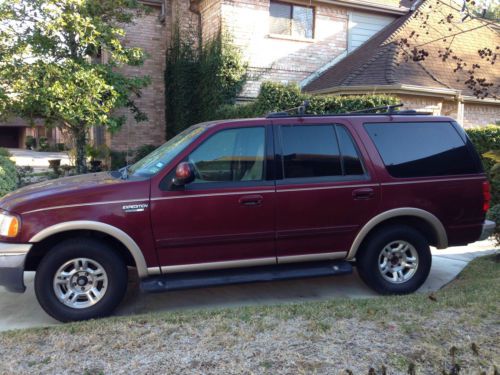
190	280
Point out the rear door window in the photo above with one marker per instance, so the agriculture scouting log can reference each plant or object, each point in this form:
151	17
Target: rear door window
310	151
318	151
421	149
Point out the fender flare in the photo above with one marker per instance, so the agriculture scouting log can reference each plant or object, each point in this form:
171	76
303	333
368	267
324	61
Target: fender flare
96	226
431	219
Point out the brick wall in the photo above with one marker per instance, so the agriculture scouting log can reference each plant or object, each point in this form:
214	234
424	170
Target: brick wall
210	12
150	34
480	114
282	59
474	114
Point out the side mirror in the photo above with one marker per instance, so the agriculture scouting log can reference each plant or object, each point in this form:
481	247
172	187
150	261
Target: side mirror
184	174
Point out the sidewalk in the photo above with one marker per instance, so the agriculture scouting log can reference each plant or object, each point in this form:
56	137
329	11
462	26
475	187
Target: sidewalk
37	159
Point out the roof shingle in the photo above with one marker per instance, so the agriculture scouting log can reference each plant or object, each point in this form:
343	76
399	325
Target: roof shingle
381	60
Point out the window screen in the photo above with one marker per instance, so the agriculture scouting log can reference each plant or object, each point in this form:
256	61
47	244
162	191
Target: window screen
310	151
420	149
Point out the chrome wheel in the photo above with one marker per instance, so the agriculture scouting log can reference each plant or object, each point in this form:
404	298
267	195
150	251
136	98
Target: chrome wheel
80	283
398	262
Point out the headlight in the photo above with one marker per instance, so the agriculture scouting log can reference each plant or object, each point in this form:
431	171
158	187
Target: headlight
10	225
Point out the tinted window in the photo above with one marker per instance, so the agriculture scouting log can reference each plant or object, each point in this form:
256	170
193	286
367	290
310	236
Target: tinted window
310	151
350	156
231	155
421	149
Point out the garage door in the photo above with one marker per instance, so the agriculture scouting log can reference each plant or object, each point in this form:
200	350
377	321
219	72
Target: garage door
9	136
362	26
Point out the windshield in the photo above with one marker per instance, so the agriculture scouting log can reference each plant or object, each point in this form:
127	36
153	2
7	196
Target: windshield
163	155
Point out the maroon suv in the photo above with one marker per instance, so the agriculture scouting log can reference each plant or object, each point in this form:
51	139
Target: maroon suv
251	200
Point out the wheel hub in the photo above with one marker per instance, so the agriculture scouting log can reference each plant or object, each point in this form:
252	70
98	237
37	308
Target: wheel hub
398	261
80	283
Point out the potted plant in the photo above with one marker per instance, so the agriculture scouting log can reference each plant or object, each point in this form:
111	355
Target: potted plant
97	155
30	142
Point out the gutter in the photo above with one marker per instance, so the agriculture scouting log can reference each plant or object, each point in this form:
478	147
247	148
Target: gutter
369	6
450	94
398	88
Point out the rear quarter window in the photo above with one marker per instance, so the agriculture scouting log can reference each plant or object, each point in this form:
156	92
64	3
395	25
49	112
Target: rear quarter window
422	149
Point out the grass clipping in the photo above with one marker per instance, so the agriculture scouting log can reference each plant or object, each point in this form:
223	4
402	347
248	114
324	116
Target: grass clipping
453	331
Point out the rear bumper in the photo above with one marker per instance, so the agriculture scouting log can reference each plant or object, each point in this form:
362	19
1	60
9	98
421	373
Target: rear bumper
12	259
488	229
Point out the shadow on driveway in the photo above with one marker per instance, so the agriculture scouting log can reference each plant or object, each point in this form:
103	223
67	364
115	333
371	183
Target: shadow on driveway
22	310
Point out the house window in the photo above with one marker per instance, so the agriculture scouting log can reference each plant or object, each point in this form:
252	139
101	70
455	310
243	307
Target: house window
292	20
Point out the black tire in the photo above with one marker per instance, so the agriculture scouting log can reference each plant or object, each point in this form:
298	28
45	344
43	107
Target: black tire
368	258
94	250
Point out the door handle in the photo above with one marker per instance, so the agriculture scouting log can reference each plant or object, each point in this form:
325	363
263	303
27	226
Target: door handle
363	194
251	200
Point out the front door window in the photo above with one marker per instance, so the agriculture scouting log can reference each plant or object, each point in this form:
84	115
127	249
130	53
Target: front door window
231	155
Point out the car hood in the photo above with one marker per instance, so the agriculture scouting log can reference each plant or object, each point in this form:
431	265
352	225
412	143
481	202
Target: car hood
79	189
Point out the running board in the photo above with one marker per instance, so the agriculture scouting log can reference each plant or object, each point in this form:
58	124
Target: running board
201	279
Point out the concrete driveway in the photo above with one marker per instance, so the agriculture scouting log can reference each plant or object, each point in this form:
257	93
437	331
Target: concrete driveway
22	310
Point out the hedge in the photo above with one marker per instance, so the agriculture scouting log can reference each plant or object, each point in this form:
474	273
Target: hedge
486	139
8	175
274	97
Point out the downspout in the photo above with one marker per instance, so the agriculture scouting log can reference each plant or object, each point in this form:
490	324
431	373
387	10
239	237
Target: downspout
460	110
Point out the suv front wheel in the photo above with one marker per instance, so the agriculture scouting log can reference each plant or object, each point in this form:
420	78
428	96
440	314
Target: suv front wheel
80	279
395	260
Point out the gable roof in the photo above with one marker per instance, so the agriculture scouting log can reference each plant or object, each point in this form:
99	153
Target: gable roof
381	60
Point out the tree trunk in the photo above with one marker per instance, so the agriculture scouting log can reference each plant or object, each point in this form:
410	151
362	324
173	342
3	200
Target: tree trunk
80	143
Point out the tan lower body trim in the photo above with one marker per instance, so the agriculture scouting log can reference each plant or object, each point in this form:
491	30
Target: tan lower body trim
213	265
246	263
312	257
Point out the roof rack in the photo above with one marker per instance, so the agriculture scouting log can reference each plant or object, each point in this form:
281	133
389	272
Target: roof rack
389	110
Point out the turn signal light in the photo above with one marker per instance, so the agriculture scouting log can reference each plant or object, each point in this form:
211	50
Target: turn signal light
9	225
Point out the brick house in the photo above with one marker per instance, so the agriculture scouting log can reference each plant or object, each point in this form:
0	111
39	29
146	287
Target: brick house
431	85
286	41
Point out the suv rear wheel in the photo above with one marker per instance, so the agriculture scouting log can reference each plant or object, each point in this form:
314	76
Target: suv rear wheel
395	260
80	279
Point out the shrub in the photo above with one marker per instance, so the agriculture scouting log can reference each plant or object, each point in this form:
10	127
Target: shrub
494	214
143	151
43	144
24	175
118	159
487	139
5	153
8	175
200	78
275	97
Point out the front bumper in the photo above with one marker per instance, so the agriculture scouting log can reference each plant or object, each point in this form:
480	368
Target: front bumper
12	259
488	229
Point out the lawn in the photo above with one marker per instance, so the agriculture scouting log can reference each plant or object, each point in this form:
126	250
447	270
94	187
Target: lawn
453	331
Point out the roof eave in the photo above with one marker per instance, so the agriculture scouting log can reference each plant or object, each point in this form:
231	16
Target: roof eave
440	92
393	89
